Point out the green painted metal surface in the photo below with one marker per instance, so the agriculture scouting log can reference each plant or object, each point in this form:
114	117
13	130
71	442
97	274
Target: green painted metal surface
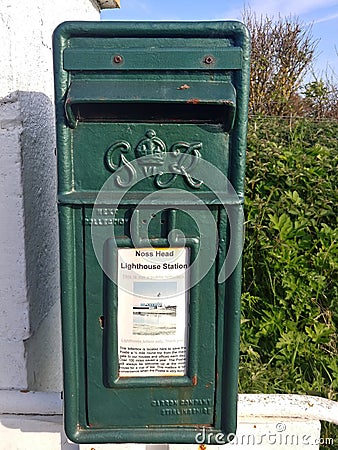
173	97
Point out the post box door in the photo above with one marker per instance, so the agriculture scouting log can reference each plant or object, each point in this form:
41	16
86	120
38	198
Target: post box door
138	400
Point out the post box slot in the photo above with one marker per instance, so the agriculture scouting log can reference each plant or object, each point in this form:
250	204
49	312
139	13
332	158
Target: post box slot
148	112
151	101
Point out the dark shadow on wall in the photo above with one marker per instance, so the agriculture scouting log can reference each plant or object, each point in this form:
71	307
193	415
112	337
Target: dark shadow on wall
43	348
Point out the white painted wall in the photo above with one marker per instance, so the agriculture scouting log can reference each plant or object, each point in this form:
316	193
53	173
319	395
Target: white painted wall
30	355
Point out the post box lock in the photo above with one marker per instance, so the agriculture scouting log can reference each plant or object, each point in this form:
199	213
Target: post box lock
151	128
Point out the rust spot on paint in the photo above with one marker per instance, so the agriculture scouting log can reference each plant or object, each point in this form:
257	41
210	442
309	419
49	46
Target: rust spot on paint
24	391
101	321
227	103
194	380
184	86
194	101
202	447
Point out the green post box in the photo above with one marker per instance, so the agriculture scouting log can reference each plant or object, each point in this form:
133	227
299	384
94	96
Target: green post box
151	138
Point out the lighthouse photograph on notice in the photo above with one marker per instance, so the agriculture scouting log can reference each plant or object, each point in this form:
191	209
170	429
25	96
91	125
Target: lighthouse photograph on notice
155	310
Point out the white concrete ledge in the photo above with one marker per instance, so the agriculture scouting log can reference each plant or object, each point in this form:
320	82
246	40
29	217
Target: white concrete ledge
288	406
30	403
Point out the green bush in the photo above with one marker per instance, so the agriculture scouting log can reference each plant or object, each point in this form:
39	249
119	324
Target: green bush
290	289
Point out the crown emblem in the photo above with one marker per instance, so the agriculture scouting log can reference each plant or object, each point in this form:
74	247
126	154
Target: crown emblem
152	150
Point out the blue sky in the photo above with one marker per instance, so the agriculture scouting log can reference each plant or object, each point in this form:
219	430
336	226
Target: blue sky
321	14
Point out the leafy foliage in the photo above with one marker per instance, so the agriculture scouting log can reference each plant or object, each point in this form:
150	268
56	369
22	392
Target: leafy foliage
321	98
290	294
282	52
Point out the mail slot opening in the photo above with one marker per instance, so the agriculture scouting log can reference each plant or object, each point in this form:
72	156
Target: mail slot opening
150	101
149	112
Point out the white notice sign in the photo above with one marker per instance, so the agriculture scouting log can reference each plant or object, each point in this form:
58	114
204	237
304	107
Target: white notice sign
152	311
